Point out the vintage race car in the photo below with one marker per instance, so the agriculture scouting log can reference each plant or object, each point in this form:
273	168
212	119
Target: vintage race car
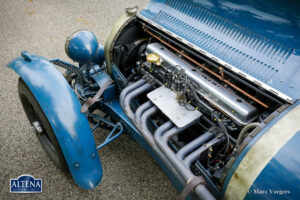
210	88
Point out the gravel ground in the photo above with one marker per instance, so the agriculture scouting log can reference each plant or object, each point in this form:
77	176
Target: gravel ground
41	27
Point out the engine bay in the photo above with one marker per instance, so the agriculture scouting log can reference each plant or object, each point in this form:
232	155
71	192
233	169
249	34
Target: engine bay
214	109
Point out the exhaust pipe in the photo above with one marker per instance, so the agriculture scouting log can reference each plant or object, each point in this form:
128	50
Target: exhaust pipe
140	111
143	113
193	145
161	138
128	98
196	154
159	143
129	88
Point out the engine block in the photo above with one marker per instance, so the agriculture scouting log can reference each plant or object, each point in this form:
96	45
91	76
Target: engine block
216	94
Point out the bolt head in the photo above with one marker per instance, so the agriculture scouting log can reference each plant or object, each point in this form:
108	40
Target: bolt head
76	165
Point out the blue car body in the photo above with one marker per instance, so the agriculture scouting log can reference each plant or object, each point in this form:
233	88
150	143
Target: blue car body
259	40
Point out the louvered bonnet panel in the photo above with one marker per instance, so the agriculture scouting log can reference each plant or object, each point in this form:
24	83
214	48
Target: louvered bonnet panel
257	39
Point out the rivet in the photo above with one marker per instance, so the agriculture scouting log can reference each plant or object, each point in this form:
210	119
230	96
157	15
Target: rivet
76	165
93	155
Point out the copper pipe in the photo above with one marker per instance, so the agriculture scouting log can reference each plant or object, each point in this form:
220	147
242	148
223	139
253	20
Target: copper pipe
208	70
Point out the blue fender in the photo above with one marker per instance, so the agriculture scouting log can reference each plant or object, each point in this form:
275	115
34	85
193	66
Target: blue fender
62	108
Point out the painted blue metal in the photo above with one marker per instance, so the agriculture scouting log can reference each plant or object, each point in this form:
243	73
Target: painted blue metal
110	92
62	108
118	77
101	78
96	69
278	159
112	135
280	179
82	46
26	55
259	38
99	57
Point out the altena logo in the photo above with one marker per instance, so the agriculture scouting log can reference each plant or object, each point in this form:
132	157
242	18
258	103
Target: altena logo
25	184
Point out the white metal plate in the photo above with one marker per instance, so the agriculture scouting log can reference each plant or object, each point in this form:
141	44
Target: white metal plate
165	100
